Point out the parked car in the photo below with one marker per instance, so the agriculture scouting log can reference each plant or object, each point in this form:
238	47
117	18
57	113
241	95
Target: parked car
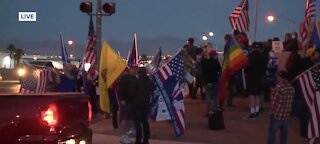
46	118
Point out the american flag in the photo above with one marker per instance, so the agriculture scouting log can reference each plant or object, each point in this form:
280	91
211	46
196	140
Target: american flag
133	56
310	14
90	55
239	18
310	9
34	81
169	80
310	86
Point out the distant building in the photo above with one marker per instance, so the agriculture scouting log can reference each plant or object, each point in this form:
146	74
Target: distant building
7	63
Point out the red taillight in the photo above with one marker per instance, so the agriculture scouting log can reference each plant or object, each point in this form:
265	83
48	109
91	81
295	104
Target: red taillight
89	113
50	116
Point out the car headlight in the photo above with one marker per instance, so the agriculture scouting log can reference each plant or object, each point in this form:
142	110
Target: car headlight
21	72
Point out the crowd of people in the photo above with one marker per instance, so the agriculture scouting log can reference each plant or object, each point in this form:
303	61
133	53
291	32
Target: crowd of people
260	80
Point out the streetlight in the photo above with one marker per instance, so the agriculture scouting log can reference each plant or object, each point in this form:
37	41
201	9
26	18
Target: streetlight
204	38
272	18
211	34
71	43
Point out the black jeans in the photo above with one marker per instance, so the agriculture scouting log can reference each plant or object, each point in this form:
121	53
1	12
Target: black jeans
140	119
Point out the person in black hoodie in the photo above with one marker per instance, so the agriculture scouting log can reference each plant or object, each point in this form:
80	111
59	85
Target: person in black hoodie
125	98
255	71
210	70
141	92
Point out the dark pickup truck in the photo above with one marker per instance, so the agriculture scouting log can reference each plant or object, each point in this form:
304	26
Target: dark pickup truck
50	118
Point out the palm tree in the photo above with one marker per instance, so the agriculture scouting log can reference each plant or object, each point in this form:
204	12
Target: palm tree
17	55
11	49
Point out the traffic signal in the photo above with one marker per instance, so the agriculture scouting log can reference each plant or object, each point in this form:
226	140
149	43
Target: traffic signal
86	7
109	7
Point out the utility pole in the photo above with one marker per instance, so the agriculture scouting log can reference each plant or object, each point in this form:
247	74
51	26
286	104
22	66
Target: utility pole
99	31
255	20
109	9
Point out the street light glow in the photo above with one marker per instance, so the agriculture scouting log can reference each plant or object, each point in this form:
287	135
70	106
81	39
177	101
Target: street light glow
270	18
211	34
70	42
204	38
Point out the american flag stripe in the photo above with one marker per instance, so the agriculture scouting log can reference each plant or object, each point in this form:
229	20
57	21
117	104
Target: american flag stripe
169	79
304	33
90	54
42	81
310	13
176	90
180	120
165	72
35	81
239	18
311	9
309	87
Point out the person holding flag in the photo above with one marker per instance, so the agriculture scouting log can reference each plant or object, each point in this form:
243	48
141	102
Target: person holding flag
282	98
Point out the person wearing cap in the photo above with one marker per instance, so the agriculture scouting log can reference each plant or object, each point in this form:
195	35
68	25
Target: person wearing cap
141	92
68	79
255	71
281	101
53	77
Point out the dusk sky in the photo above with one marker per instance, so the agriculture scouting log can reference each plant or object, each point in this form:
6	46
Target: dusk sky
148	18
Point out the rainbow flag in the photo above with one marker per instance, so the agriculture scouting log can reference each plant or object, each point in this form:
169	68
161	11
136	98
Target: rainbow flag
234	60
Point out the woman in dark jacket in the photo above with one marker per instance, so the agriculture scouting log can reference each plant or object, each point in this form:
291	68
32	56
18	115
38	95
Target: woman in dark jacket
141	92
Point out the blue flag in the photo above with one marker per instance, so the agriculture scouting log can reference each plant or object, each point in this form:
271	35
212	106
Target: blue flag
64	54
315	37
169	81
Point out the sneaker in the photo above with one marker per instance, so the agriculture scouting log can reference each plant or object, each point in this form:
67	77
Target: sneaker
130	132
125	139
251	116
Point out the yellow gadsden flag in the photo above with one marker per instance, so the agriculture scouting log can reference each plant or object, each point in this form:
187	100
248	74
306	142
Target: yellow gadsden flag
110	68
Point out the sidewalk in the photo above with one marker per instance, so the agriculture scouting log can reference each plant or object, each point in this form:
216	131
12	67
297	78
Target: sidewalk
111	139
237	131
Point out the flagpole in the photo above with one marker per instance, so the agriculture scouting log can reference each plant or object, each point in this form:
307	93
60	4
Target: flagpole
98	32
255	21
